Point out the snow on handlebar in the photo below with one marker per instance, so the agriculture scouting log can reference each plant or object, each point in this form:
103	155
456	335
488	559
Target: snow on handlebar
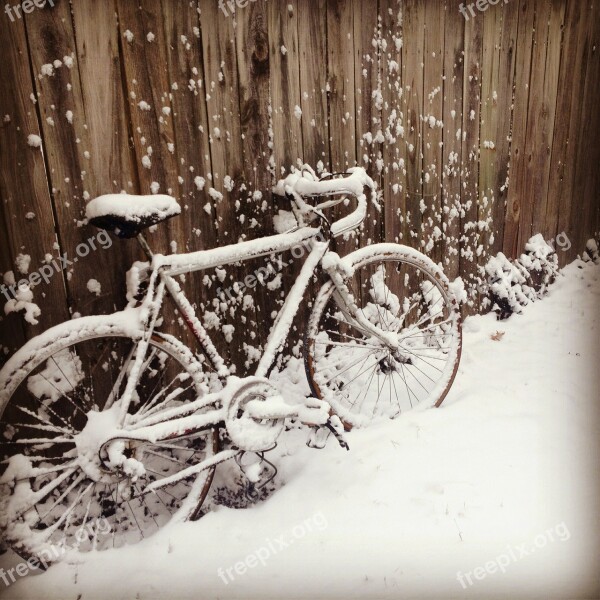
305	183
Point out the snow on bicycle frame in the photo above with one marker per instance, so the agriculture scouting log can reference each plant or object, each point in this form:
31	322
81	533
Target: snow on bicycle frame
149	404
252	425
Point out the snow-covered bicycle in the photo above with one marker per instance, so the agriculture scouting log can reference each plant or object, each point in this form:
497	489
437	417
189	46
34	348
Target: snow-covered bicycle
106	417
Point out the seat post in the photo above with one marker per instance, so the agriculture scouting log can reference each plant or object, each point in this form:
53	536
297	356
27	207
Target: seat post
144	244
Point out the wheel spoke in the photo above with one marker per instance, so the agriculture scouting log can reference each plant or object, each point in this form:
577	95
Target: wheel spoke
44	416
396	294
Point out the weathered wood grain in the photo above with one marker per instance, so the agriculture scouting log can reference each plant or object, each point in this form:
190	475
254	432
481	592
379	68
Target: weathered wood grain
518	162
433	113
228	96
24	180
454	25
470	233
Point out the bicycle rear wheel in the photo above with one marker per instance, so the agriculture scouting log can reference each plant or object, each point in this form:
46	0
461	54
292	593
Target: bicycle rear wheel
56	493
399	290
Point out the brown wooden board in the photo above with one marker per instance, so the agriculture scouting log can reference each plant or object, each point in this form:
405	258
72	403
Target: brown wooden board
72	145
568	204
312	48
413	80
254	68
518	160
24	181
370	78
582	198
432	116
454	25
470	233
393	113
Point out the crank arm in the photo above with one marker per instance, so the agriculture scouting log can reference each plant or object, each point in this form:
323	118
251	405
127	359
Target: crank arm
312	412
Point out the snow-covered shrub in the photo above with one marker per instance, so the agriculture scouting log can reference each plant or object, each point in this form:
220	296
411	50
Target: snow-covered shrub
505	286
591	251
514	284
541	264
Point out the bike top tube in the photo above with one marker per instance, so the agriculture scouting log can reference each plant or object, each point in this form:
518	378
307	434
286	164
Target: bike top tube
177	264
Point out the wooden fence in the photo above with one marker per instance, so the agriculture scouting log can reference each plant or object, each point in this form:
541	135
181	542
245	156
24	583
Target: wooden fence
480	130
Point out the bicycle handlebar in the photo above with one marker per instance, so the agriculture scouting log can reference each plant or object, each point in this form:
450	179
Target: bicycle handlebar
304	184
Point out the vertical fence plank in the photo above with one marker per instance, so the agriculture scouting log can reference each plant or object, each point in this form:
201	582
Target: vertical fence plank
340	60
581	206
141	29
11	325
70	154
342	102
518	165
253	60
312	45
470	234
490	78
284	68
540	121
504	118
562	165
191	127
412	77
221	89
545	78
433	115
187	141
369	80
394	148
24	187
452	151
567	213
111	166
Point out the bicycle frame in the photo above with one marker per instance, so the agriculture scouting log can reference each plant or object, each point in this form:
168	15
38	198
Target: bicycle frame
181	421
168	267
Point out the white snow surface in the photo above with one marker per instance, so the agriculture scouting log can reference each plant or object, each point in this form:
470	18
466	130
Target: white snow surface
132	208
511	454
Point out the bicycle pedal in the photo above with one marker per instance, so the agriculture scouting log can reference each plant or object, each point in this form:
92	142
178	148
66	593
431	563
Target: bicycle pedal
318	437
259	472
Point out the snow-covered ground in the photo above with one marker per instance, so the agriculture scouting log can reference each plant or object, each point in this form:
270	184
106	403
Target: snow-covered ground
500	485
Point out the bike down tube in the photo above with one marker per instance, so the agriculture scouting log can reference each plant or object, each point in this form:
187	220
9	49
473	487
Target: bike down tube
283	321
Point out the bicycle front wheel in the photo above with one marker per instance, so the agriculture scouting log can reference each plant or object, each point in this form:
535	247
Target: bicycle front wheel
398	290
56	494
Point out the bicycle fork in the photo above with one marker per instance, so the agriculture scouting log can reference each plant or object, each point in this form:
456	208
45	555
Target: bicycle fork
339	273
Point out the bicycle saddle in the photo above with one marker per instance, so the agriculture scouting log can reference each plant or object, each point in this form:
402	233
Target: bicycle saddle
126	215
